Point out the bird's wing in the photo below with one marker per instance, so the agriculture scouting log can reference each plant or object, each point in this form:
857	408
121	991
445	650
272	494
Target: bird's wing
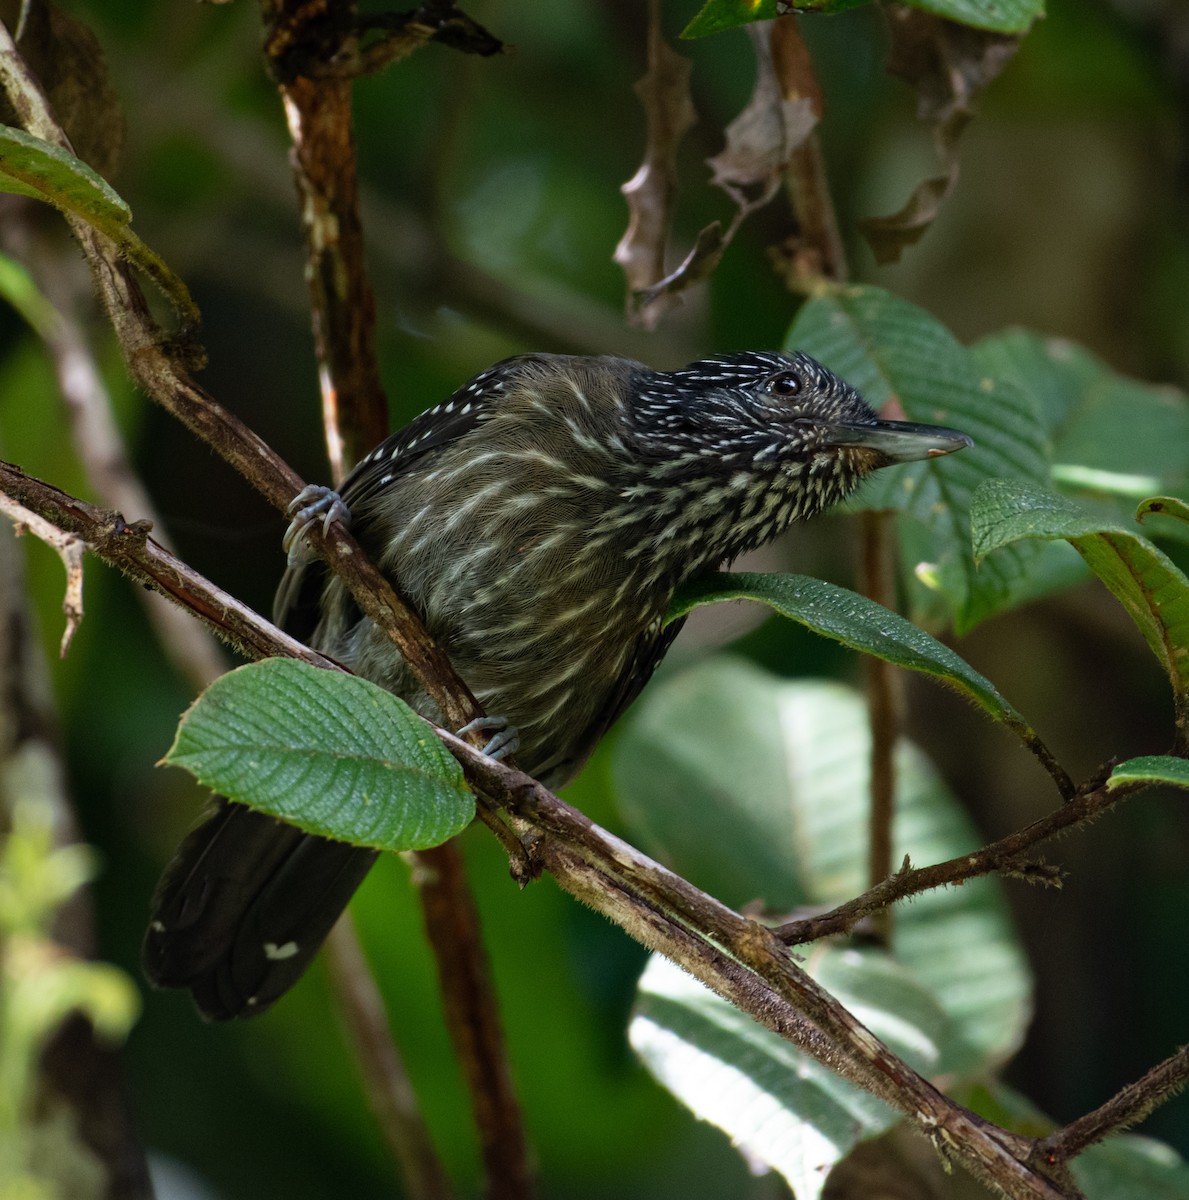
651	646
296	608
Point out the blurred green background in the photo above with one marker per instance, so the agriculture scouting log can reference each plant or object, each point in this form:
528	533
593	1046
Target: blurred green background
491	205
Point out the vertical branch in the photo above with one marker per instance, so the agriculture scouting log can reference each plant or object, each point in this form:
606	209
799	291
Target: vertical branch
355	418
354	410
815	254
816	251
389	1090
472	1014
877	581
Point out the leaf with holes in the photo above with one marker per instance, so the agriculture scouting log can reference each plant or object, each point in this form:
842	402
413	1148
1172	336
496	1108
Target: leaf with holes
1149	585
327	752
894	352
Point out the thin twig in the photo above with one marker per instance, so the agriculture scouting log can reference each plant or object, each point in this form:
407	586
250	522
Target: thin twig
1007	856
1129	1105
68	548
817	251
100	447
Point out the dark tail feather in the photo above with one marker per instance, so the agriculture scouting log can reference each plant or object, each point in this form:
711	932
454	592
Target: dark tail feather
243	908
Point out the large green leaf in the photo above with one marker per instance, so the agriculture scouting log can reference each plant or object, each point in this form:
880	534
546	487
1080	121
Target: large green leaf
781	1107
1149	585
328	752
1112	436
864	625
893	351
755	788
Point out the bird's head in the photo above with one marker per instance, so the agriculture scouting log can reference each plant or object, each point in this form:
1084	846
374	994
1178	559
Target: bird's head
755	441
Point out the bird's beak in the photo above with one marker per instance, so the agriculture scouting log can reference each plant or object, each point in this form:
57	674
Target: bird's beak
899	441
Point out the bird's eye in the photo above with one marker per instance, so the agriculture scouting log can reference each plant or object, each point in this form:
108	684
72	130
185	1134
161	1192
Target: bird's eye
787	383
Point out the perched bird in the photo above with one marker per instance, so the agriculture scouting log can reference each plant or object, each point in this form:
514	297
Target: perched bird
540	521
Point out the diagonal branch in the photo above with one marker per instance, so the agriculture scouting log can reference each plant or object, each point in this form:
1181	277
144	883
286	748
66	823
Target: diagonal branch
736	957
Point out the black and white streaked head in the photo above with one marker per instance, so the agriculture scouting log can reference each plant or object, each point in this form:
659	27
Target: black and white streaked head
735	449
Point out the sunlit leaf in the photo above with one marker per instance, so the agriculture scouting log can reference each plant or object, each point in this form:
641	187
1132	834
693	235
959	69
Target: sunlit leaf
755	788
779	1106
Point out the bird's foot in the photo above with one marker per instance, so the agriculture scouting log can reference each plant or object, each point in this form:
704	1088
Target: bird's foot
312	503
504	740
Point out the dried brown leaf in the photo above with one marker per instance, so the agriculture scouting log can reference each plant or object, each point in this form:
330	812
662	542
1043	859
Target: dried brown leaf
948	64
760	143
669	113
68	60
763	137
697	265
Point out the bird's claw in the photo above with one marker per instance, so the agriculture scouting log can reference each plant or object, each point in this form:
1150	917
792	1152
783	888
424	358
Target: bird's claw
504	740
311	503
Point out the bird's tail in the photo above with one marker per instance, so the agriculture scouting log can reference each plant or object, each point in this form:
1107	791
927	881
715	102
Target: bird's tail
243	908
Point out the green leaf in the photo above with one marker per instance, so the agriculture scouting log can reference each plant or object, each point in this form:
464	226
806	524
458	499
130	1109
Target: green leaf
1112	436
1000	16
1128	1166
1161	768
1149	585
30	166
717	15
864	625
1165	506
891	350
780	1106
330	753
18	288
755	788
1172	507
